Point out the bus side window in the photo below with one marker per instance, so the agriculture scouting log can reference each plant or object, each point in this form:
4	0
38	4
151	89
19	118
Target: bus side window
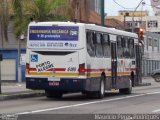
123	42
99	50
126	52
123	45
119	47
132	55
90	43
106	45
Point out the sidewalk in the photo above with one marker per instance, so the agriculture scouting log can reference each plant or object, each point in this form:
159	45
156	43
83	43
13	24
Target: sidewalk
146	81
18	90
12	90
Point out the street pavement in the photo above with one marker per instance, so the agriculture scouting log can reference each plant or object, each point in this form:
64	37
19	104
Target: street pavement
14	90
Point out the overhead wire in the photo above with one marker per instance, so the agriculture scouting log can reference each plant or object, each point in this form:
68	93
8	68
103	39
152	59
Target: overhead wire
123	6
158	7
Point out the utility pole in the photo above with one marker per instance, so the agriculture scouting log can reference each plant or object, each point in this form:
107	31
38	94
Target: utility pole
19	57
2	5
133	15
102	12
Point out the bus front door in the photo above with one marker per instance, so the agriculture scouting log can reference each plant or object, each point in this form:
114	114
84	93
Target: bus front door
113	64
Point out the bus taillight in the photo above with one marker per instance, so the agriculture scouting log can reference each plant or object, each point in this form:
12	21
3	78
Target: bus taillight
82	69
27	67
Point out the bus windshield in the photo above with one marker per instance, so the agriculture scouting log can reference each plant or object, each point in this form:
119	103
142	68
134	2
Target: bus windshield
62	37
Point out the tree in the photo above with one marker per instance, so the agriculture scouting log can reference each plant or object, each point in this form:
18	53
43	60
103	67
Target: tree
3	21
3	26
39	10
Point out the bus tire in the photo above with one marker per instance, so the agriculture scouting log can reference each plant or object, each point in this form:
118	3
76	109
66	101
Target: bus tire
126	90
101	91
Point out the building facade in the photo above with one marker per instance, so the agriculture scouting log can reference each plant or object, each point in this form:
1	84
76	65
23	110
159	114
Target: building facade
9	50
95	5
151	56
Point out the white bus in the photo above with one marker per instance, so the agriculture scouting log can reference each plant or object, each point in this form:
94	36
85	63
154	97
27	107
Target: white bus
65	57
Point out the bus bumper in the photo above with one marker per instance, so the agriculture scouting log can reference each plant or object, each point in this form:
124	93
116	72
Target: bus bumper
64	85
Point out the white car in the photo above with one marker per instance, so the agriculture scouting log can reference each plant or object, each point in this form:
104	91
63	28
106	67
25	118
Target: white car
156	75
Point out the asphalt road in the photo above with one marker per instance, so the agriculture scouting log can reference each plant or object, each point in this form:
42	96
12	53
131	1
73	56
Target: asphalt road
143	100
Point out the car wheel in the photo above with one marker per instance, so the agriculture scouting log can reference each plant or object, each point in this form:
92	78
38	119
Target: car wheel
157	78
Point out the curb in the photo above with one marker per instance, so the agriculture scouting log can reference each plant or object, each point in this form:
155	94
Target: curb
21	95
144	84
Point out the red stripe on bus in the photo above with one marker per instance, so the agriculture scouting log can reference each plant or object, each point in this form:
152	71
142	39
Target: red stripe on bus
132	69
32	69
56	69
95	70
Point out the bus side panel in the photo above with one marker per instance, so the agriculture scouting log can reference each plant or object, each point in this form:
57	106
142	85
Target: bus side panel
95	67
125	67
123	81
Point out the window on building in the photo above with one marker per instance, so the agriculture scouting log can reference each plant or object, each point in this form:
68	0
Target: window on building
152	24
149	41
155	43
136	24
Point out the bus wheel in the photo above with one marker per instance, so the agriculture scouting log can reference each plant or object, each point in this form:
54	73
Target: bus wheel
101	91
126	90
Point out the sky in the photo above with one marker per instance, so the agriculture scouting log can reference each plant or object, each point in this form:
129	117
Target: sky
111	8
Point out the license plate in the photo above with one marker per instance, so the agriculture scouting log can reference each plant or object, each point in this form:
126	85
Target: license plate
53	83
53	79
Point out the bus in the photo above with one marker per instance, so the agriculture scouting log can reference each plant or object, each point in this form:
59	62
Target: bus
68	57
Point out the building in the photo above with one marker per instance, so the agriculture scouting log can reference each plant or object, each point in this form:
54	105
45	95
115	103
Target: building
82	9
151	56
134	19
94	5
153	24
9	50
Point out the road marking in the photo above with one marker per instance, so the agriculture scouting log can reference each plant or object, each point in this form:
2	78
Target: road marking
155	111
87	103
